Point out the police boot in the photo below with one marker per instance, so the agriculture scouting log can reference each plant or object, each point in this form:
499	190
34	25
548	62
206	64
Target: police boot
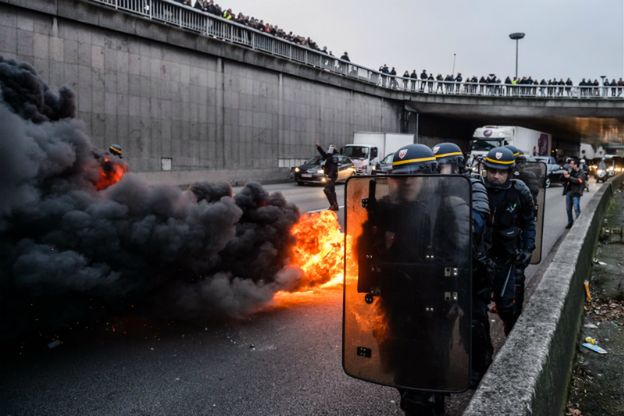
508	317
415	403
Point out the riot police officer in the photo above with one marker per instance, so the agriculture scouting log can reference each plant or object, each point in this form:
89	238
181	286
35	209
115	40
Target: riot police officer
407	232
330	167
525	175
450	161
510	235
532	181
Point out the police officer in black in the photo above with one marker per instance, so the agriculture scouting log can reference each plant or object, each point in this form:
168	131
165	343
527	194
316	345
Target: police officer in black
397	232
532	181
330	167
510	235
451	161
529	178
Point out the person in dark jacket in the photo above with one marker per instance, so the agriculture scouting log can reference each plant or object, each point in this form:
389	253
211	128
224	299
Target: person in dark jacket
330	167
393	82
423	79
414	77
574	186
510	235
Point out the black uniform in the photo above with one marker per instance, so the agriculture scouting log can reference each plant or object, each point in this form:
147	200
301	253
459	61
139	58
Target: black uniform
510	238
331	170
402	238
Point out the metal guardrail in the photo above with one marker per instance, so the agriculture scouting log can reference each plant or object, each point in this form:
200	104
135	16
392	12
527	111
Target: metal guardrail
176	14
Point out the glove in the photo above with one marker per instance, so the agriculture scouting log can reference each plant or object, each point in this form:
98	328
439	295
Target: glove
523	257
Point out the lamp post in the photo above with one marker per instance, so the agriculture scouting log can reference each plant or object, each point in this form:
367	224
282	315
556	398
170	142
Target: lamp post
453	70
516	36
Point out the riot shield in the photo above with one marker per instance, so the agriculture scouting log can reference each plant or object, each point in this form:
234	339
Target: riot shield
533	174
407	289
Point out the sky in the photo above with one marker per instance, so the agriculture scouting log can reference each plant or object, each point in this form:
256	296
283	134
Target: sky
564	38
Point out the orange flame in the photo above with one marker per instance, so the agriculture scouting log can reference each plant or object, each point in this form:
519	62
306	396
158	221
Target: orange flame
111	171
318	249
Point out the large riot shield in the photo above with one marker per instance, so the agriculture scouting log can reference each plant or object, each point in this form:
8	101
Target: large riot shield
533	174
407	291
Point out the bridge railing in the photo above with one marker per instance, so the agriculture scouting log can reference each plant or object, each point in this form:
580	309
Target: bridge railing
185	17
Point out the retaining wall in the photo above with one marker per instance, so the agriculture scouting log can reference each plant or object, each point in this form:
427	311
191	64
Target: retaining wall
531	372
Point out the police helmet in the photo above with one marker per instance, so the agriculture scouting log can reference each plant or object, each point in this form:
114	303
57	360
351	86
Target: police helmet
518	154
449	153
414	158
500	158
116	150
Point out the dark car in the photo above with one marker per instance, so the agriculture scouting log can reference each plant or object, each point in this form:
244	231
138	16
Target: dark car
554	171
312	171
384	166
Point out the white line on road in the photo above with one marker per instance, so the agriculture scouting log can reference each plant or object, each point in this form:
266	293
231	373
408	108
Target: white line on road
324	209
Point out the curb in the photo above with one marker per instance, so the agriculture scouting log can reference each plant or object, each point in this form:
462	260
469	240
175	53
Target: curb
530	374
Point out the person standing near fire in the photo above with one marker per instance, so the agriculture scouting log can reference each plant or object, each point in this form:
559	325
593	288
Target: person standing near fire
330	167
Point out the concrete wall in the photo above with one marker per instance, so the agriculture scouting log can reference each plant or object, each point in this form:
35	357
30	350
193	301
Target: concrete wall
531	373
217	118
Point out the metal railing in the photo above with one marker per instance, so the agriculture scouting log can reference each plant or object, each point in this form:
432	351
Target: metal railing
176	14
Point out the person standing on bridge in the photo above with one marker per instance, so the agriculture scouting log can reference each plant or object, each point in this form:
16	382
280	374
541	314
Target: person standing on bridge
574	186
330	167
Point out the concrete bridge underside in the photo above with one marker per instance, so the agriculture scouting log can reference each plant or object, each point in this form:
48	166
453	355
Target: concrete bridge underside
594	121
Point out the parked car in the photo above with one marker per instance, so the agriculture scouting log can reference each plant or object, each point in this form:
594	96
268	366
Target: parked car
384	166
554	171
312	171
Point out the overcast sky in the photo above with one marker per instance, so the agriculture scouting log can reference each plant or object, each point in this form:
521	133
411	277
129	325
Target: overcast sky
575	38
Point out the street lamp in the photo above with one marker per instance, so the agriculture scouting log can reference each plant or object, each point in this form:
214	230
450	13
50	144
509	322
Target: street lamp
453	71
516	36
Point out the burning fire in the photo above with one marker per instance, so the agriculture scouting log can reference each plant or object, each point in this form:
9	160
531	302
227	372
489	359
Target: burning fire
318	249
111	171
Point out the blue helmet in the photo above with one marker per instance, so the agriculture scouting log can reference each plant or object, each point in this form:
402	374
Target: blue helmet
500	158
449	153
414	158
518	154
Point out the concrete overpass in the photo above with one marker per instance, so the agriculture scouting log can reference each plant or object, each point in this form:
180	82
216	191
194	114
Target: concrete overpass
221	101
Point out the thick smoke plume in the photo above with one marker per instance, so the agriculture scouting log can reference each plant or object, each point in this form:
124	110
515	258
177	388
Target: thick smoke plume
71	252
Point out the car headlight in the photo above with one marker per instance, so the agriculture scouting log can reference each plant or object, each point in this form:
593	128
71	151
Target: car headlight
319	171
374	168
297	169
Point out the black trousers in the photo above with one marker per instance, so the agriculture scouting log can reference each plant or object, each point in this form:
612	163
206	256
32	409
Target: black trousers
330	192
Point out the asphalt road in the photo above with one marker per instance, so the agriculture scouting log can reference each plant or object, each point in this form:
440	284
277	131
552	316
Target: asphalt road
283	361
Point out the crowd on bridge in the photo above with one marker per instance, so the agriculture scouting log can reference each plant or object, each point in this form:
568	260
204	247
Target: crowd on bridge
489	85
209	6
493	85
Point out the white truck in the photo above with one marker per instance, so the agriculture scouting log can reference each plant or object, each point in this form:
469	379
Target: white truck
368	148
587	151
531	142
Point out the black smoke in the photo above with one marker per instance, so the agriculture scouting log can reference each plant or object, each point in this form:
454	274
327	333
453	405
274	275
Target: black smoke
69	252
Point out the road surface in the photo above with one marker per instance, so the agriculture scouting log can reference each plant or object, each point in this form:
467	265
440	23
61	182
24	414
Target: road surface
283	361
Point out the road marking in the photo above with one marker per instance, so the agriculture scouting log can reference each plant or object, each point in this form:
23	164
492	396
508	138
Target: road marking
324	209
